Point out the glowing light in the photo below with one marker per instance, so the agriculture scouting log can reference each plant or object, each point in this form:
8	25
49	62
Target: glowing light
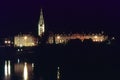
21	49
18	60
58	68
58	37
5	68
58	73
96	37
41	25
21	45
113	38
63	38
9	68
5	42
18	50
32	65
25	37
9	42
25	72
101	40
33	44
24	40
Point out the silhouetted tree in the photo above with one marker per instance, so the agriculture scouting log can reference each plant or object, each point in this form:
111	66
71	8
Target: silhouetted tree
88	42
44	38
74	42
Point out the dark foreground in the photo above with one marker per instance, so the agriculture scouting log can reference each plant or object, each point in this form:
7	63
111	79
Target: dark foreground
76	62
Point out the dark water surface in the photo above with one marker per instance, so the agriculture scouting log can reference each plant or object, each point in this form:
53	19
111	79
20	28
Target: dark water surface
94	62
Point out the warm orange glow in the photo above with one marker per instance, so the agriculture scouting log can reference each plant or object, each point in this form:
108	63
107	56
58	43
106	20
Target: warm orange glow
58	37
9	42
63	38
24	70
95	37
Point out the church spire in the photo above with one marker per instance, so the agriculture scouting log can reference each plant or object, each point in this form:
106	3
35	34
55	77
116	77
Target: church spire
41	24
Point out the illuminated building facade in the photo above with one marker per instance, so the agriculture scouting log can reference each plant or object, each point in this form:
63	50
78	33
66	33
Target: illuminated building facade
25	40
64	38
41	25
28	40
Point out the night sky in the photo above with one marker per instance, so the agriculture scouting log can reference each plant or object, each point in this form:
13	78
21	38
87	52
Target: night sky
60	15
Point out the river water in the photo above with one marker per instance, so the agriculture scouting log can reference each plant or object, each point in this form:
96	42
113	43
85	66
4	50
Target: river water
75	63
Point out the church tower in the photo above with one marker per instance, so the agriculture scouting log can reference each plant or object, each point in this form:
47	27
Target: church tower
41	24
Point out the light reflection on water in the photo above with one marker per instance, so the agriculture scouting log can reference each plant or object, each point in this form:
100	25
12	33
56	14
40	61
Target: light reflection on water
25	72
22	70
7	70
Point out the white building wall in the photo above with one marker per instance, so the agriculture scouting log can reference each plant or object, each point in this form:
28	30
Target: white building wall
24	40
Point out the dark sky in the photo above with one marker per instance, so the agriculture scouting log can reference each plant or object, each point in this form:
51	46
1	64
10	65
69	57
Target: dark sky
60	15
